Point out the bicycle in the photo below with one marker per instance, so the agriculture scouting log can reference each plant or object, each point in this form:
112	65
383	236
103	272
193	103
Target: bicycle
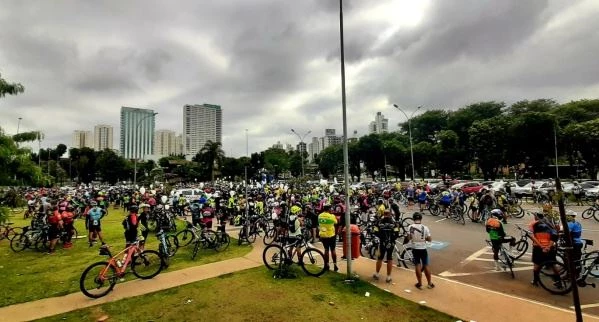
403	253
168	246
456	213
505	258
99	278
592	211
555	276
277	256
7	232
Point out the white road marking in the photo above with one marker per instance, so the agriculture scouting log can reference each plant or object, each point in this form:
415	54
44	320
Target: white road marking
587	306
474	255
441	219
514	297
515	269
492	260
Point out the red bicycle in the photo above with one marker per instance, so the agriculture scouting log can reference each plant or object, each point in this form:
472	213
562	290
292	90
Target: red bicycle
100	278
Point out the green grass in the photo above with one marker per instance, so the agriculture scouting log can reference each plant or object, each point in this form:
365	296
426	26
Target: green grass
31	275
253	295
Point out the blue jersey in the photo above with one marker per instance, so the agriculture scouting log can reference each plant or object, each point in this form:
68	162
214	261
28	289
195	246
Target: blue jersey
575	231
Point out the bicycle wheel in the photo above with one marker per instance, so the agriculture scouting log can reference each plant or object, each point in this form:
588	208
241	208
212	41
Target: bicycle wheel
173	245
18	243
252	235
587	213
470	214
554	278
519	249
13	231
209	239
147	264
406	258
184	237
222	241
516	211
434	209
312	262
588	262
98	279
162	249
242	235
273	255
269	237
507	261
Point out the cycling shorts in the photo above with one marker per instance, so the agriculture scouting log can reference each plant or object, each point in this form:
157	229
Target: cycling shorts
420	257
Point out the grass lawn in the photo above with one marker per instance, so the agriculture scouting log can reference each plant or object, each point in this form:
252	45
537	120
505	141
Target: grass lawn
31	275
253	295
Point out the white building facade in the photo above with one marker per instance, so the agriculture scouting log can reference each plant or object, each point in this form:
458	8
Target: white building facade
137	132
103	137
379	125
82	139
201	123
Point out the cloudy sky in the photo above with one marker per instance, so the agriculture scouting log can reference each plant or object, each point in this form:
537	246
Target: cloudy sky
274	65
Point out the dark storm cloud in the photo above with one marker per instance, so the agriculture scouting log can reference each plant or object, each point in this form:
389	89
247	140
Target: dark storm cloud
273	65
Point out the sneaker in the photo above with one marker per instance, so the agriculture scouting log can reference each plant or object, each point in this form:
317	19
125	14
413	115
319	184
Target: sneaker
388	279
375	276
418	286
335	268
431	285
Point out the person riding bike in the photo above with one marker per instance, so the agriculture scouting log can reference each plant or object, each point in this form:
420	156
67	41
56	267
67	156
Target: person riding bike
387	231
497	234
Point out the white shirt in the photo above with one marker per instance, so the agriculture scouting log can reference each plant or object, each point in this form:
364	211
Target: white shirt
418	235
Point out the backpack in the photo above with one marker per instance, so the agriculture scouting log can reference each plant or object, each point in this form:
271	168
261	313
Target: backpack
292	225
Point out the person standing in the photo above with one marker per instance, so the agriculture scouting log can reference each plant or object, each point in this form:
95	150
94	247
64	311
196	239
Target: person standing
387	232
419	234
544	239
577	191
326	225
94	216
576	234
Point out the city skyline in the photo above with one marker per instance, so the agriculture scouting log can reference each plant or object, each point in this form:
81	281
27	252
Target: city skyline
272	68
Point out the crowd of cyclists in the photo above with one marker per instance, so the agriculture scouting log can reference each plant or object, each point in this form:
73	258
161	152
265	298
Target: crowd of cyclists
310	212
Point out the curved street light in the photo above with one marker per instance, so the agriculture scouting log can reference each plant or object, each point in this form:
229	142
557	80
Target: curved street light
136	150
410	131
301	138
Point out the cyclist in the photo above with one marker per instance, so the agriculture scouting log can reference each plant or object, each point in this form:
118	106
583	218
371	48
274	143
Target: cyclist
497	234
67	219
130	224
144	216
419	234
296	221
544	239
380	208
445	201
576	234
387	232
55	225
326	225
502	203
422	197
94	215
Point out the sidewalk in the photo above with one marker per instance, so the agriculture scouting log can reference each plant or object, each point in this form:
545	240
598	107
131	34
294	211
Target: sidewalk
466	302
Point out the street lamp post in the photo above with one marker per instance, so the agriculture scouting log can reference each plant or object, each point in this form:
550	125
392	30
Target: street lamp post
136	150
301	137
19	124
410	131
247	204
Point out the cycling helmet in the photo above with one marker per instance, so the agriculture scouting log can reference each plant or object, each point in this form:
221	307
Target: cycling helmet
417	216
497	213
571	213
93	203
133	208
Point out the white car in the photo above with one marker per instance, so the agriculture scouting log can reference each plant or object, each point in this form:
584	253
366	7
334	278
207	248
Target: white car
590	189
189	194
525	190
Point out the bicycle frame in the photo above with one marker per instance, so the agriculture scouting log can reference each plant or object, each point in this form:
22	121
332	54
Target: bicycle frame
130	251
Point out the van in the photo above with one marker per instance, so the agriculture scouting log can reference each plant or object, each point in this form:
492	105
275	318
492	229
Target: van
189	194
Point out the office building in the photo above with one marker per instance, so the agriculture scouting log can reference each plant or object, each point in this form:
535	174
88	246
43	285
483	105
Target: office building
137	132
103	138
179	144
379	125
82	139
278	145
201	123
302	148
165	143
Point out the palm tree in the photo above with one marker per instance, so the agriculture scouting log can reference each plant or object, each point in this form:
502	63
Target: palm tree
213	155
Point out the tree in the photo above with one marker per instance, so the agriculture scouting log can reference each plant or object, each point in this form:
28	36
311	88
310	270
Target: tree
211	156
10	88
276	160
111	167
426	125
461	120
543	105
531	140
330	160
488	140
448	152
584	138
371	152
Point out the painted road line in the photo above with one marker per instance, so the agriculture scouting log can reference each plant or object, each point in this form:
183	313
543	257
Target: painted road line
492	260
474	255
515	269
587	306
441	219
514	297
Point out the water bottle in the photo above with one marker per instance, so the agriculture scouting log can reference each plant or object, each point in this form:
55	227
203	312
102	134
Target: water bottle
119	263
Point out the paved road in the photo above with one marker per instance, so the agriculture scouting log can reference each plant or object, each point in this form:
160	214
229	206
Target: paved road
463	256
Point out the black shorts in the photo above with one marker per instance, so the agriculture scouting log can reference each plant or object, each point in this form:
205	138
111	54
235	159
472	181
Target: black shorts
422	202
411	199
53	232
95	228
539	257
130	236
420	257
385	249
329	243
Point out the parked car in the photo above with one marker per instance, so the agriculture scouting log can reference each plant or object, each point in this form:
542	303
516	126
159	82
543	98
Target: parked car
590	189
525	190
472	187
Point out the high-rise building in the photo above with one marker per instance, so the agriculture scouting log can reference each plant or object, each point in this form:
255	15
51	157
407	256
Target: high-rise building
137	132
165	143
329	139
379	125
179	144
278	145
302	148
103	138
82	139
201	123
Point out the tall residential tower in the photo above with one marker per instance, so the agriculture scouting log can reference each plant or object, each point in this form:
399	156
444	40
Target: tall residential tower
82	139
137	132
201	123
103	137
